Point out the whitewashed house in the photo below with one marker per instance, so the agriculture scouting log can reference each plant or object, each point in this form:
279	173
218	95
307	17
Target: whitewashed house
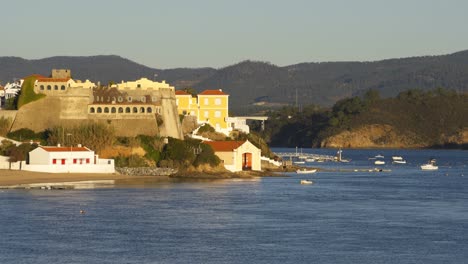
57	159
237	155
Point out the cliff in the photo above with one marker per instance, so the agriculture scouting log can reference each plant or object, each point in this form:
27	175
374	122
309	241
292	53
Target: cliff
387	136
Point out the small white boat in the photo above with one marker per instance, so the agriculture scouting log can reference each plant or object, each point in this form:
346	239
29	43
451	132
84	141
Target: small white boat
399	161
395	158
379	162
299	162
430	166
310	160
379	156
306	182
306	171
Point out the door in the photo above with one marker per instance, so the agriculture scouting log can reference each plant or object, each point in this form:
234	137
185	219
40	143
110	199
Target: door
247	161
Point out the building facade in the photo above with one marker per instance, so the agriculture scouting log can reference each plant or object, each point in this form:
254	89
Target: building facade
237	155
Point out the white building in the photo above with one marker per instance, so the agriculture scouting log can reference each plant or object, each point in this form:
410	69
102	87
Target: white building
237	155
67	159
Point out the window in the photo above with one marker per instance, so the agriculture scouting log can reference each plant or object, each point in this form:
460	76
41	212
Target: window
74	161
106	109
142	109
206	114
120	99
120	110
92	110
99	110
127	110
138	85
62	87
54	161
113	110
149	110
129	99
42	87
63	161
206	101
217	113
49	87
217	101
87	161
135	110
56	87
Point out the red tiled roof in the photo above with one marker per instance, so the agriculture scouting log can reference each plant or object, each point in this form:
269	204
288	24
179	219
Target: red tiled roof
224	145
53	79
181	92
64	149
212	92
37	76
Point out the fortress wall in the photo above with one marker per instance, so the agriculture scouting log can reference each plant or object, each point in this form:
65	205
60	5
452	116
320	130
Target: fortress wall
74	107
171	124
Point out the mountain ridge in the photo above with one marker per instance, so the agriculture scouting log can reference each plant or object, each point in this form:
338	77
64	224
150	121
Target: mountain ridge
249	82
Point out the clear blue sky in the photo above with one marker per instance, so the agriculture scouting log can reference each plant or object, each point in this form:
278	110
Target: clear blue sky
218	33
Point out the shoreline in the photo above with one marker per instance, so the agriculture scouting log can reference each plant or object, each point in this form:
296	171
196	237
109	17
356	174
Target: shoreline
10	179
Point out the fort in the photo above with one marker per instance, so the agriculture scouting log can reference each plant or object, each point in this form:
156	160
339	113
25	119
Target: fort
131	108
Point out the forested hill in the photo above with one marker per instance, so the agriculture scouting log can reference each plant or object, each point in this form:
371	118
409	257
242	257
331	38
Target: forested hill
251	82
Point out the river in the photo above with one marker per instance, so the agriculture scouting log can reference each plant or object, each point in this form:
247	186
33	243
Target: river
401	215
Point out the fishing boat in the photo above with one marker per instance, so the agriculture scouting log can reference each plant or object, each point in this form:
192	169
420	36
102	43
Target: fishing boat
306	182
306	171
430	165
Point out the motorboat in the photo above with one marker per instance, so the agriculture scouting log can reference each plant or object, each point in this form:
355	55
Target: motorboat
306	182
306	171
395	158
379	162
430	165
399	161
379	156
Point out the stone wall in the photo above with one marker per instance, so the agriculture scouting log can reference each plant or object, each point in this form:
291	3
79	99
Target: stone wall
146	171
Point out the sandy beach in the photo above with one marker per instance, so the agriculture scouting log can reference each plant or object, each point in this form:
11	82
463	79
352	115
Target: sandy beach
15	177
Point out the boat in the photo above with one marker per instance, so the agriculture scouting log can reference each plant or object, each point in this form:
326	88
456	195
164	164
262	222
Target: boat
306	182
299	162
399	161
430	166
310	160
306	171
395	158
379	162
379	156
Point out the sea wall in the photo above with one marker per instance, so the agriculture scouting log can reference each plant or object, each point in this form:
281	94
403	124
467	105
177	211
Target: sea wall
146	171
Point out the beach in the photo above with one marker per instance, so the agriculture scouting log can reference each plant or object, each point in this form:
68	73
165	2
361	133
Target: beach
16	177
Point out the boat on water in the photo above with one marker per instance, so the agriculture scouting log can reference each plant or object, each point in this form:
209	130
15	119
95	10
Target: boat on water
399	161
306	182
430	165
299	162
310	160
379	162
379	156
306	171
395	158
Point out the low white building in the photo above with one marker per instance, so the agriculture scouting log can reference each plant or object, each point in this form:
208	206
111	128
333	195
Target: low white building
237	155
67	159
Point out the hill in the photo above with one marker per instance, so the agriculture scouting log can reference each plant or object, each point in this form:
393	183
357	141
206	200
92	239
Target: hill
414	119
252	84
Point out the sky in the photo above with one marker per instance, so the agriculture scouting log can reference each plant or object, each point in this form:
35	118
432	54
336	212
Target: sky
218	33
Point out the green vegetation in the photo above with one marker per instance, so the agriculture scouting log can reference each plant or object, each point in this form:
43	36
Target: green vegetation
95	136
16	153
27	93
25	134
431	115
184	153
5	124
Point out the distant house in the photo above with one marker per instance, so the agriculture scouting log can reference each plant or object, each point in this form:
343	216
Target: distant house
237	155
57	159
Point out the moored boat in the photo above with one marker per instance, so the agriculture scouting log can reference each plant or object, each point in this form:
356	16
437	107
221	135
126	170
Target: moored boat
306	182
306	171
379	162
430	165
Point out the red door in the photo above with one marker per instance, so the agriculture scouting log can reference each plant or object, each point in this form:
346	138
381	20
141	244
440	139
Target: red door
247	161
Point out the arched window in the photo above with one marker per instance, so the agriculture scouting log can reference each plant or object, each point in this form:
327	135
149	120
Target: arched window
92	110
56	87
113	110
106	109
42	87
120	109
99	110
49	87
62	87
142	109
127	110
135	110
149	110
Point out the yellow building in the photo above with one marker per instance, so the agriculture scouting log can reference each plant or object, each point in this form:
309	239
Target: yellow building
210	106
186	103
